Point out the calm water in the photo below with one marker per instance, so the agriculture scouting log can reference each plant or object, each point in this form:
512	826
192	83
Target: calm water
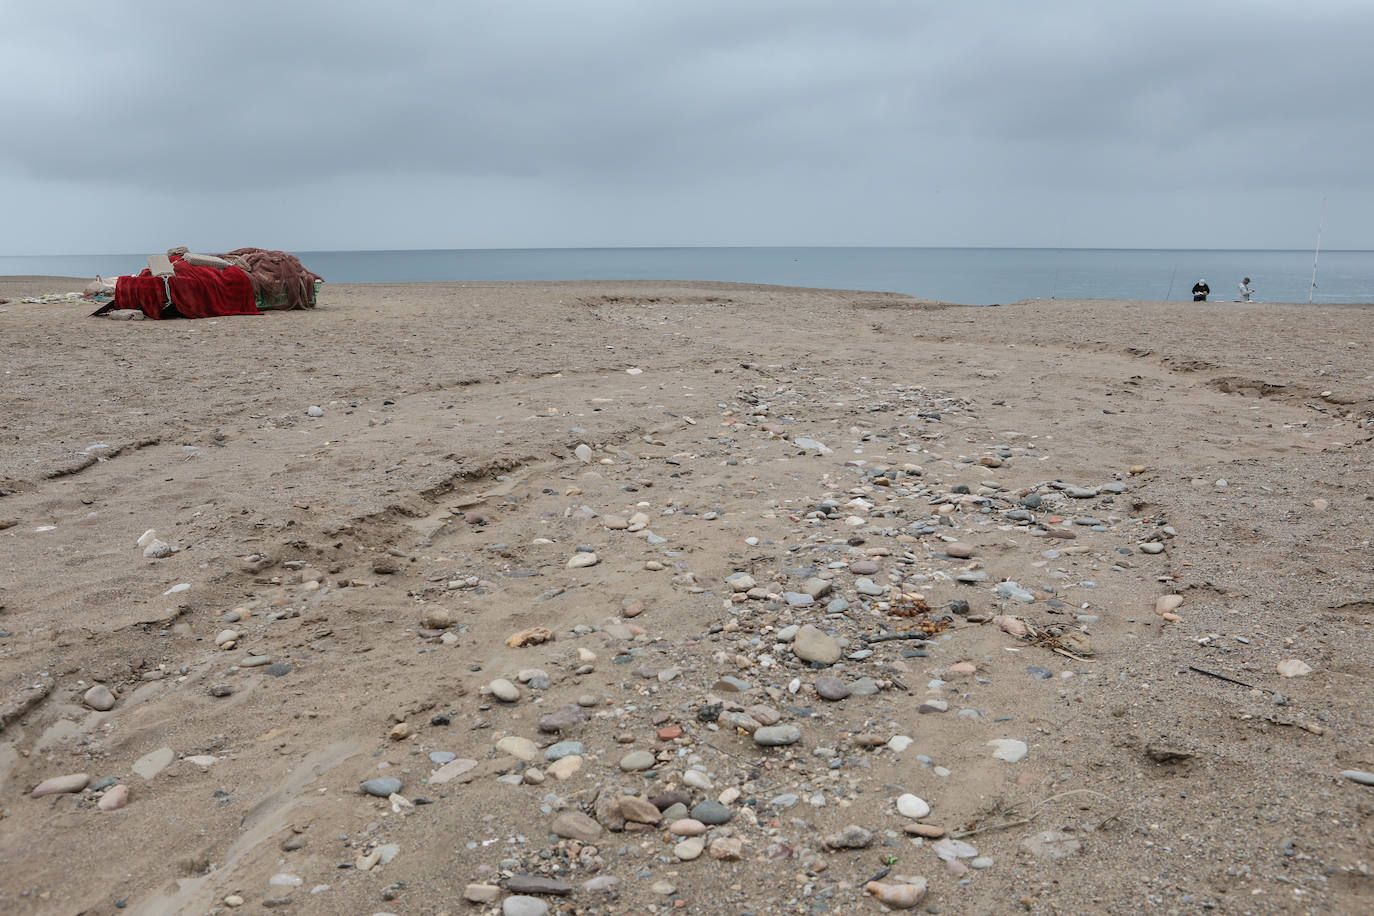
977	276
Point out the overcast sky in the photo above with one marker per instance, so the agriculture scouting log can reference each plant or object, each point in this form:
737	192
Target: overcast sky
131	126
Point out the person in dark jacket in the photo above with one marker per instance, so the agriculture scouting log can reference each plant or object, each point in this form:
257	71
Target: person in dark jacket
1200	291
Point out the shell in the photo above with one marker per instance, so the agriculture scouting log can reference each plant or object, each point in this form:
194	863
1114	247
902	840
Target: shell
898	896
1014	626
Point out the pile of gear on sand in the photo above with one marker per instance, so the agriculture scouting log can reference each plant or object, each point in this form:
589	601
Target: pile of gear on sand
183	284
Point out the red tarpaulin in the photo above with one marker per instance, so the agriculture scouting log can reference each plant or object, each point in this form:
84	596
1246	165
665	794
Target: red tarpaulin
197	292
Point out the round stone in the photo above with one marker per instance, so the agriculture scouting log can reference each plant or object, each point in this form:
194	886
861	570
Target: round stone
696	779
99	698
689	849
521	905
504	690
831	688
711	812
636	761
912	806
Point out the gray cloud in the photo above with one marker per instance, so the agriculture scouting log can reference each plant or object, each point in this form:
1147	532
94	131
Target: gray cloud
551	123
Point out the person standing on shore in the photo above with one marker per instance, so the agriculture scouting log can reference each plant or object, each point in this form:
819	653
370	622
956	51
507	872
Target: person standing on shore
1201	291
1245	290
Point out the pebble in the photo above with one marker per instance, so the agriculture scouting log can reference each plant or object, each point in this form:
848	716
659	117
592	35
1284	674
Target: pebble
712	813
696	779
903	896
451	770
566	717
851	837
504	690
99	698
516	746
481	893
727	849
689	849
777	735
115	797
382	787
953	849
157	550
1363	777
636	761
929	831
1292	667
740	582
563	749
58	785
1166	604
831	688
537	884
912	806
686	826
1014	592
1008	749
154	762
255	661
565	767
639	810
574	825
601	884
959	551
520	905
813	645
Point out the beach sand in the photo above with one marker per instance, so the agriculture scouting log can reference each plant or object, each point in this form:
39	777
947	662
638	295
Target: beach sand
379	555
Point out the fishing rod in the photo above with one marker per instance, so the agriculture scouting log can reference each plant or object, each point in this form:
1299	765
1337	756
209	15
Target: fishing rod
1171	284
1316	254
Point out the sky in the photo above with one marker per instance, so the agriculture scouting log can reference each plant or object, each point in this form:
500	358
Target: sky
135	126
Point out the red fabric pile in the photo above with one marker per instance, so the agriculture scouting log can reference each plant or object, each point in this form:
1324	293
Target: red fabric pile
277	275
197	292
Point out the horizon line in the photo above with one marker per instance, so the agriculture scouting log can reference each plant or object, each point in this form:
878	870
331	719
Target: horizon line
117	254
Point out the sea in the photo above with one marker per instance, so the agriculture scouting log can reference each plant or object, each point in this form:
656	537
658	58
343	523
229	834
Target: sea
971	276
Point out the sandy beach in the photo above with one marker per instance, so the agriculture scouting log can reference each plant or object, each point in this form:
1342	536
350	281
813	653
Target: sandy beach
718	514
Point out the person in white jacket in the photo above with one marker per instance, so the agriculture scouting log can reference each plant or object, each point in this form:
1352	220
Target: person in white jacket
1245	290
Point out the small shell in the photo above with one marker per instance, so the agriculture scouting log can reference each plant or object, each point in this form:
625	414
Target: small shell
898	896
1014	626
